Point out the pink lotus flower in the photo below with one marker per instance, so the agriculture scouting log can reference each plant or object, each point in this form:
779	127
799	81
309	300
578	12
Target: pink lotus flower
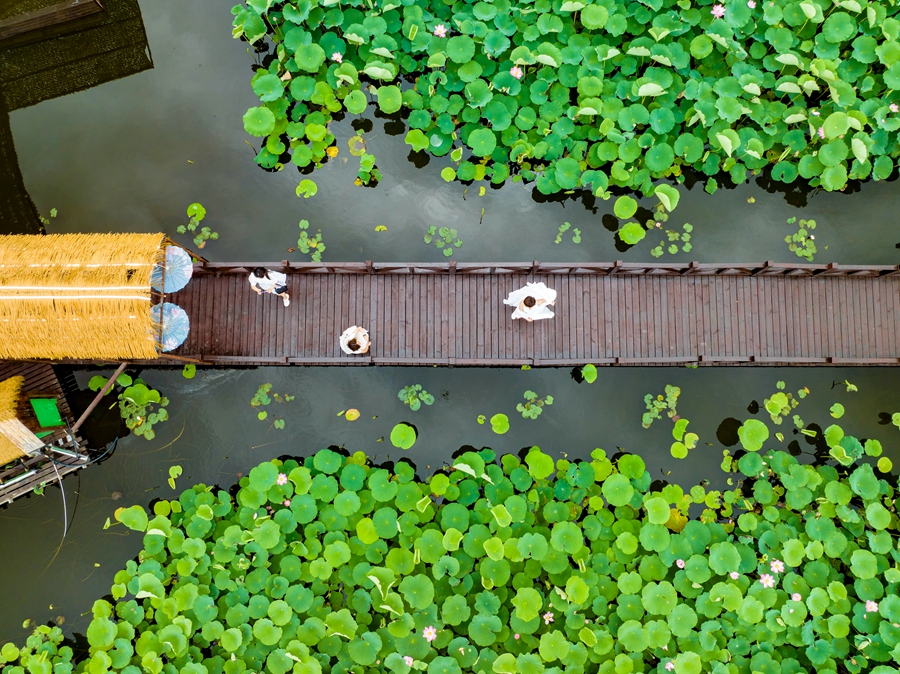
777	566
336	56
548	617
796	597
429	633
408	660
871	607
287	503
718	11
821	132
679	563
734	575
670	666
893	107
440	30
282	479
767	580
751	4
516	72
516	636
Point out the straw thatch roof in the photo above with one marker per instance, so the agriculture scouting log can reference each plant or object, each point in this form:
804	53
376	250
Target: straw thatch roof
80	296
9	403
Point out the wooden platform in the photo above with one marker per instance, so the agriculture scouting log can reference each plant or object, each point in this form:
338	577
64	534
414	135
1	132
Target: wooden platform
606	314
39	378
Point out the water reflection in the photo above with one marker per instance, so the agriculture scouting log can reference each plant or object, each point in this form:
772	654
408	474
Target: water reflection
37	66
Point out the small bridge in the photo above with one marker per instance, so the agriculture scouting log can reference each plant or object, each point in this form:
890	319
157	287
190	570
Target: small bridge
606	313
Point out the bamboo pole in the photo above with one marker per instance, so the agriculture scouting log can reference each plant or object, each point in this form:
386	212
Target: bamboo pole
96	401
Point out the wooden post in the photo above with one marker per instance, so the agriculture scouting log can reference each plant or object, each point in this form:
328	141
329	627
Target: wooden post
96	400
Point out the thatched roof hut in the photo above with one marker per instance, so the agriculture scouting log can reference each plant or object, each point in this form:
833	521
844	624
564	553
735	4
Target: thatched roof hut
9	403
78	296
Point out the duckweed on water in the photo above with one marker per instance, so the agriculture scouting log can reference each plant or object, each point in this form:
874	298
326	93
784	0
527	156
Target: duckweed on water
572	94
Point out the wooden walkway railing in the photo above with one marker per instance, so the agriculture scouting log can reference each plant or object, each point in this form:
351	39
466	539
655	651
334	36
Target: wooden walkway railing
606	313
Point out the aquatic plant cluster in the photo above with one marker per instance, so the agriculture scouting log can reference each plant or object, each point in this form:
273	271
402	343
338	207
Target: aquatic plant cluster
573	94
522	566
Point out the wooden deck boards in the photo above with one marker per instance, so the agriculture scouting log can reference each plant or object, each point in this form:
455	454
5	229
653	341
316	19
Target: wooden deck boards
443	315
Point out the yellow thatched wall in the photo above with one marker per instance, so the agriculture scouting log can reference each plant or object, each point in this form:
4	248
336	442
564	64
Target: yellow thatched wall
9	403
77	296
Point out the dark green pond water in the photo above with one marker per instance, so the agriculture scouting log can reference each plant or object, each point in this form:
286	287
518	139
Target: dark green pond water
117	158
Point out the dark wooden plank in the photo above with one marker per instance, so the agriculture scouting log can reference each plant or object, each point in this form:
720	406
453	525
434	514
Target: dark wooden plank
890	295
878	317
844	328
826	318
872	318
477	322
660	319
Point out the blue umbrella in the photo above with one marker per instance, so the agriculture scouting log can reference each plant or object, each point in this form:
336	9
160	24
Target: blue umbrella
175	325
178	271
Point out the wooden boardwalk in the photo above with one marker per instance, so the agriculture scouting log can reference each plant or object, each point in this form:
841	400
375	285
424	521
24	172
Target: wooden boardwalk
606	314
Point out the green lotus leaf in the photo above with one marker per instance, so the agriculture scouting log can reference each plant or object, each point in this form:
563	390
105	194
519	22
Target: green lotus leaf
500	424
594	17
444	665
341	623
309	57
418	591
688	663
659	598
553	646
307	188
455	610
482	142
657	510
668	196
389	99
403	436
460	49
659	158
839	27
364	650
568	173
356	102
625	207
617	490
864	483
528	603
566	537
268	87
483	629
753	433
633	636
134	517
724	558
631	232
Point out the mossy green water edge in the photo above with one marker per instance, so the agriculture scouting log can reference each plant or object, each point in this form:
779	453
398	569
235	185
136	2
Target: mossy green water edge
518	566
574	94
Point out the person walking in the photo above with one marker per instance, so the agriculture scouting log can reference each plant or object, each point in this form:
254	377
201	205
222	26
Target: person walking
355	341
532	302
273	282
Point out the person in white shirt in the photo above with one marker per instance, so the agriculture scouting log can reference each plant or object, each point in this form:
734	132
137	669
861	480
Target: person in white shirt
532	302
355	340
267	281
